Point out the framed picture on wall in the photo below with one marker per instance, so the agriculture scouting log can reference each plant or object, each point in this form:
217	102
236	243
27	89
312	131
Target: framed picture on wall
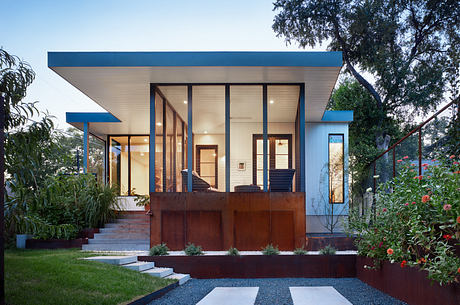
241	165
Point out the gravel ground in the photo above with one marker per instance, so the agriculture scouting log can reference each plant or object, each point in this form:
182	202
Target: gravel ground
276	291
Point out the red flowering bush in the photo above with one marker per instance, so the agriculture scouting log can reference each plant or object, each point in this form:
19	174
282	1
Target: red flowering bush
423	233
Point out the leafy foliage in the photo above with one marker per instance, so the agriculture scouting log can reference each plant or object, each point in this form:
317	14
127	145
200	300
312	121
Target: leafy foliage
300	251
233	252
192	250
160	249
328	250
417	221
270	250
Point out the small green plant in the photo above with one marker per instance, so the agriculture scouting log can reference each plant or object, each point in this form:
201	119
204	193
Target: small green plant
160	249
233	252
300	251
328	250
270	250
192	250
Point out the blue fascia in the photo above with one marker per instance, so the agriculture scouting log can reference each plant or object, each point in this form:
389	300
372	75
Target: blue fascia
338	116
195	59
90	117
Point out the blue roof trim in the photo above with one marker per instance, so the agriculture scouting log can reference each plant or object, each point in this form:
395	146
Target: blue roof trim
195	59
338	116
90	117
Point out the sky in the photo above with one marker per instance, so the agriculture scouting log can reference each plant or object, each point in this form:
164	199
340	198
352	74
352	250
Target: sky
34	27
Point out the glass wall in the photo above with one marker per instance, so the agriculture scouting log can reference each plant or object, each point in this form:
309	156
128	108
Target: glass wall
169	149
179	154
139	165
96	157
118	164
158	143
336	168
246	121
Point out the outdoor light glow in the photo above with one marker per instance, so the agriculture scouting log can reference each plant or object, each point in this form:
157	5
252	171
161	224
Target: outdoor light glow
185	102
159	124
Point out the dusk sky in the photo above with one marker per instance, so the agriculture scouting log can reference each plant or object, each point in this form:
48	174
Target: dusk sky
32	28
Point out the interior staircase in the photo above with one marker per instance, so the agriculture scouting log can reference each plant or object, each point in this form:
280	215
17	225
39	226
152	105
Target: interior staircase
130	232
149	268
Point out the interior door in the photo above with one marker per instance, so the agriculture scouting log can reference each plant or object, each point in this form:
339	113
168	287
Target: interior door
279	154
206	163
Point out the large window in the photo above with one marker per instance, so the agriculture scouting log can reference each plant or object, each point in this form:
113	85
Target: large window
139	164
336	168
118	164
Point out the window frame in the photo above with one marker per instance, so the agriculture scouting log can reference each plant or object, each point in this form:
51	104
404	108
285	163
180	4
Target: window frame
329	168
198	160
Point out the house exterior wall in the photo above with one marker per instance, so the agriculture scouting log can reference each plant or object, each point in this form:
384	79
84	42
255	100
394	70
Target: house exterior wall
318	209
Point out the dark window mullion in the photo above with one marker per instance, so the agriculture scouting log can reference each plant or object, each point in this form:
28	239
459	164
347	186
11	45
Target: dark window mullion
129	165
164	145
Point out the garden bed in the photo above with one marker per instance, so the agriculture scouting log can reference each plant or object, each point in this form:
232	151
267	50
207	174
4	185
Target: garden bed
408	284
316	242
55	243
258	266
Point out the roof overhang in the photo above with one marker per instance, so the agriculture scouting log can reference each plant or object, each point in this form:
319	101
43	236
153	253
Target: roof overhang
342	116
119	81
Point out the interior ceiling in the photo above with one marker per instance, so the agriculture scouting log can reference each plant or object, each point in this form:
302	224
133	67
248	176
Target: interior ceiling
124	92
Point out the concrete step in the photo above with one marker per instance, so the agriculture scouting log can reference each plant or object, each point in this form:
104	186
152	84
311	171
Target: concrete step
118	241
145	230
140	214
127	225
122	235
182	278
113	260
140	266
159	272
116	247
133	221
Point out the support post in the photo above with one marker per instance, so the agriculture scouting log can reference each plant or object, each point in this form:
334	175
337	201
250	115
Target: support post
420	151
152	183
265	136
302	137
227	138
85	147
190	139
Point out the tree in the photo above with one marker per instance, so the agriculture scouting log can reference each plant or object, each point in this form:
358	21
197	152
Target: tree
409	47
15	77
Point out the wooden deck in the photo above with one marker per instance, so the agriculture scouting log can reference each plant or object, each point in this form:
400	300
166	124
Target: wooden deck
218	221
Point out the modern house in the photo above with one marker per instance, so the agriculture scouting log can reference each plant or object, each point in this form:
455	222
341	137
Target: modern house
240	120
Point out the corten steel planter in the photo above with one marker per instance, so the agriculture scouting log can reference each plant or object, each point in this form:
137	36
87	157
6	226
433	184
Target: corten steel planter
258	266
55	243
408	284
316	243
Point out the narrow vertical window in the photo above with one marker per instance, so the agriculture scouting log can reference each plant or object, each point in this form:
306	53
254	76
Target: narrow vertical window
336	168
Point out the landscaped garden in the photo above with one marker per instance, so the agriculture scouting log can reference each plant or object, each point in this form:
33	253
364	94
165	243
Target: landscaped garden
62	277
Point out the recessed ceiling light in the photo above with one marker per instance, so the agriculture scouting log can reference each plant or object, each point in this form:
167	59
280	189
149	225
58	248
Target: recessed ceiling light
272	101
146	140
185	102
142	154
159	124
205	131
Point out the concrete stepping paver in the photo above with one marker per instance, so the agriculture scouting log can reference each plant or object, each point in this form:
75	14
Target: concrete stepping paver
230	296
113	260
319	295
139	266
159	272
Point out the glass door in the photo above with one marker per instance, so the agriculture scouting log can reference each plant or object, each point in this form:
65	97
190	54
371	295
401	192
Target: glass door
206	163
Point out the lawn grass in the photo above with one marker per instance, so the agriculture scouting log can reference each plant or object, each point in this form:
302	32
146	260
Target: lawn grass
59	277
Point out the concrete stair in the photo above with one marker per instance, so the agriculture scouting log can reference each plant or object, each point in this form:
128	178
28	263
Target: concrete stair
131	232
149	268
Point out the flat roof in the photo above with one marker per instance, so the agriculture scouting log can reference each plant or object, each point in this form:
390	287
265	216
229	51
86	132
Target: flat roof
120	81
194	59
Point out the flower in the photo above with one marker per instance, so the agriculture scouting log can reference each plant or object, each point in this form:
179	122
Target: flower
384	210
421	260
458	219
425	198
390	251
447	236
413	202
406	157
452	156
400	160
381	244
412	164
447	207
403	263
434	160
456	163
458	270
457	172
406	204
425	164
373	248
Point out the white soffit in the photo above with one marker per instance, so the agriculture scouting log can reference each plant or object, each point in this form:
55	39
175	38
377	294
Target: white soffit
125	91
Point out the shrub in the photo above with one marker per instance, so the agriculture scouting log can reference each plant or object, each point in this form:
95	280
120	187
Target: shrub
270	250
416	220
328	250
192	250
233	252
160	249
300	251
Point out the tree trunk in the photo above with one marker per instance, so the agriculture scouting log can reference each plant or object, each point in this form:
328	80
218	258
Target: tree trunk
2	198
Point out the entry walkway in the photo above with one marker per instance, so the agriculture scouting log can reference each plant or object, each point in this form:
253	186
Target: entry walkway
292	291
